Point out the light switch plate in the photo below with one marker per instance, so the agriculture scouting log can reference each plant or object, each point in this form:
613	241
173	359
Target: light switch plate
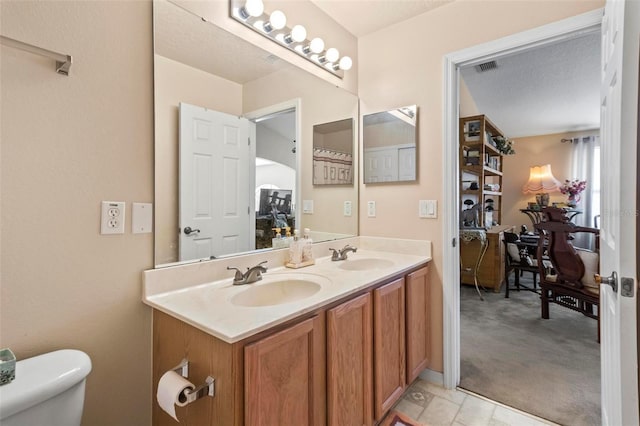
142	218
371	208
428	209
307	206
347	208
112	217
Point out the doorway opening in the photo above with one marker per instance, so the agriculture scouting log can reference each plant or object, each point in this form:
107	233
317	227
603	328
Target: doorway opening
546	35
275	178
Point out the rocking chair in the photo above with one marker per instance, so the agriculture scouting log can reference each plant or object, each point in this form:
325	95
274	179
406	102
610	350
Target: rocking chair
570	280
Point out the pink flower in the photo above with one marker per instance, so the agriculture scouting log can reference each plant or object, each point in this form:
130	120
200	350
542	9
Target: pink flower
573	187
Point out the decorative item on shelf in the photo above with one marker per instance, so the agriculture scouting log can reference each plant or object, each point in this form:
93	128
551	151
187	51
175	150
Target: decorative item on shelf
474	186
504	145
573	189
541	182
472	131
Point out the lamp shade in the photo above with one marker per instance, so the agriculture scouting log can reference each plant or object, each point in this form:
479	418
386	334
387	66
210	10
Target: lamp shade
541	180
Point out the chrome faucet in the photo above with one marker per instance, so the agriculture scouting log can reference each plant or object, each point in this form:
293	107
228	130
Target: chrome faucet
251	276
342	253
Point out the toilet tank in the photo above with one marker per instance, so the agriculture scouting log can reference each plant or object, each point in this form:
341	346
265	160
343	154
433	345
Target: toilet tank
48	390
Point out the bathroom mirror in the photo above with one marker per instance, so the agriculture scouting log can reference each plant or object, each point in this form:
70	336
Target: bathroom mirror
389	145
198	64
333	153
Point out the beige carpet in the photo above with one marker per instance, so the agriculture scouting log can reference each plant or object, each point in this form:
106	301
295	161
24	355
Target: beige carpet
549	368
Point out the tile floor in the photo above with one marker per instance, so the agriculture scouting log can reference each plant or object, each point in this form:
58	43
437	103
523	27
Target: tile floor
433	405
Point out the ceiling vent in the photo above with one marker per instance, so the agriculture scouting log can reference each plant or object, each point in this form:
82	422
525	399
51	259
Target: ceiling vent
487	66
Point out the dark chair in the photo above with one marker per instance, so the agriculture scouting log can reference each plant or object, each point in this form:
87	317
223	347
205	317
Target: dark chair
570	280
519	258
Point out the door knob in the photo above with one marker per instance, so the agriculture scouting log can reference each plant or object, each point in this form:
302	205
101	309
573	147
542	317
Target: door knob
188	230
611	280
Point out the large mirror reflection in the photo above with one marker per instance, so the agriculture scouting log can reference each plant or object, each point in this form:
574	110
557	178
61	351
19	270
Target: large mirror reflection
233	143
389	141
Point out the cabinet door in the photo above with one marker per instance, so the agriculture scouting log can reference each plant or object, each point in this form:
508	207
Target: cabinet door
281	376
349	363
418	342
388	345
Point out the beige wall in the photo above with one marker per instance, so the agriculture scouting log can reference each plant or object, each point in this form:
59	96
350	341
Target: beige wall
175	83
320	103
410	72
67	144
534	151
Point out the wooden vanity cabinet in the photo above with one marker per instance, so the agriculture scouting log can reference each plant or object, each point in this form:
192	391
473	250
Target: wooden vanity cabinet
275	368
343	364
418	324
388	345
349	363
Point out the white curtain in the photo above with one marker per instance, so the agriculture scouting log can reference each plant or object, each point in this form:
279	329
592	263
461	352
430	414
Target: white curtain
586	166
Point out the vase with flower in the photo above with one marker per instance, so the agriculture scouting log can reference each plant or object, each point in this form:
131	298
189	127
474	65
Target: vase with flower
572	189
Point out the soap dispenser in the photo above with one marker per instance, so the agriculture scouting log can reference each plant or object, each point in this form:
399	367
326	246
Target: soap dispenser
307	248
294	257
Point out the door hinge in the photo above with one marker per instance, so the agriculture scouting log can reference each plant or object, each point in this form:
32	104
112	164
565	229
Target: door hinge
249	141
453	242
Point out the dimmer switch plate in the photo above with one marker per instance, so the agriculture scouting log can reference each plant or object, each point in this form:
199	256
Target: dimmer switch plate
112	217
428	209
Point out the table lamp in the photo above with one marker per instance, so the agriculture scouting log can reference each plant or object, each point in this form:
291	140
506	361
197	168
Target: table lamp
541	182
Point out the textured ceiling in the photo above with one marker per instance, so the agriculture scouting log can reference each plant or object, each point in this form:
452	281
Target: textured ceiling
362	17
552	89
179	34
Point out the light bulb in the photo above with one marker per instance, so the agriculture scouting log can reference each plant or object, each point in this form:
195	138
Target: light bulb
316	45
254	7
345	63
298	33
332	54
277	19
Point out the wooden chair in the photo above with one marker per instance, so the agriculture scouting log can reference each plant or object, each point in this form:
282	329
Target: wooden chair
570	280
517	259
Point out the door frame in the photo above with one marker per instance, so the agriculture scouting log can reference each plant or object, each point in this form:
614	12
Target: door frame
544	35
275	109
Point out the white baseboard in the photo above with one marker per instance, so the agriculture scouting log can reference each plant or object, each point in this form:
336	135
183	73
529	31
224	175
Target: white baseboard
432	376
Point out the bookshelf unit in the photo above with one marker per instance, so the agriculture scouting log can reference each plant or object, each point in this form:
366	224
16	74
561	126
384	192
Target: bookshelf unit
481	162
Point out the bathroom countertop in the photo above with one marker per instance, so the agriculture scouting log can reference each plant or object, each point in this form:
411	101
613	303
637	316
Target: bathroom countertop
208	306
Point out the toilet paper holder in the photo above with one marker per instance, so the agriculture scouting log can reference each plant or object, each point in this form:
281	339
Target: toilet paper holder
206	389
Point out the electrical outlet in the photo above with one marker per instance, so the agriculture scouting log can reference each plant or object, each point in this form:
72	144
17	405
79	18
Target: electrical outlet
112	217
347	208
371	208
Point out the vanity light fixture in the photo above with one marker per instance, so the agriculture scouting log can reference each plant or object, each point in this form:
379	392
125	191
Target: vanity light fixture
251	13
277	21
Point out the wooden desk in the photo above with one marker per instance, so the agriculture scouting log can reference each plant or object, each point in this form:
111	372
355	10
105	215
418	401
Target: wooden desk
491	271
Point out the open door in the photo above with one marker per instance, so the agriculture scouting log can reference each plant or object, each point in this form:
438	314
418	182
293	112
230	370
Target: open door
619	121
215	187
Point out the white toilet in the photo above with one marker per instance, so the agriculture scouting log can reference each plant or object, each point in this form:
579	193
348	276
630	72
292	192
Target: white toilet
48	390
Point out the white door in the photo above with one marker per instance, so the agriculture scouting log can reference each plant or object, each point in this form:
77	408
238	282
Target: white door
381	165
407	163
215	192
618	127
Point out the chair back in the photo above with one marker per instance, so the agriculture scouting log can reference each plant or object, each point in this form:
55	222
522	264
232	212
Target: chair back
556	235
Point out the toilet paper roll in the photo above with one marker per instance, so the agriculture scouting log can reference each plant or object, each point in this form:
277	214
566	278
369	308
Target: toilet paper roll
171	392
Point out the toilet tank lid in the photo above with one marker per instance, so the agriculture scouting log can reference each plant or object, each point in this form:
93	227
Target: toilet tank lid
43	377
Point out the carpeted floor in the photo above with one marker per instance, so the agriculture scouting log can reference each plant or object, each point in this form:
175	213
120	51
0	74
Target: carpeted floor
549	368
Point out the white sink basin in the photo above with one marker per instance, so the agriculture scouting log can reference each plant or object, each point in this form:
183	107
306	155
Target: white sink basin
277	290
365	264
